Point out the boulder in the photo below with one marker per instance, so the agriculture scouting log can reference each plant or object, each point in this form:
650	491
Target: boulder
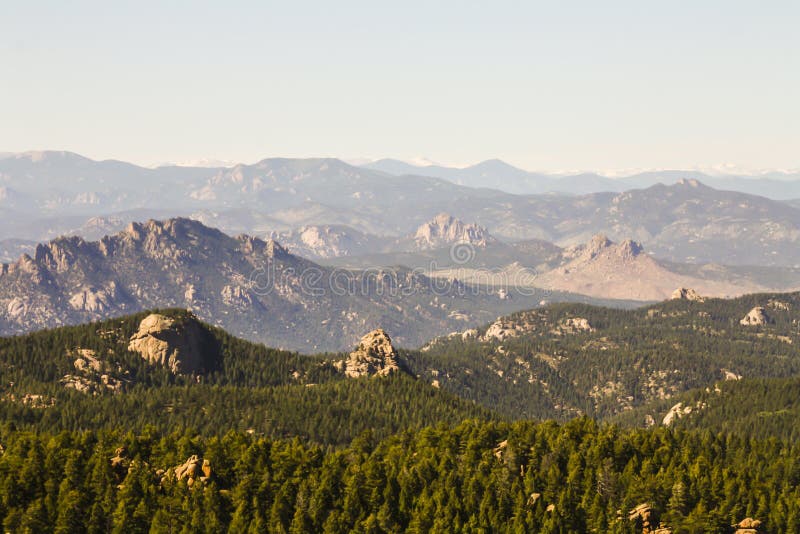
644	516
162	340
192	470
755	317
747	525
685	293
16	309
374	356
120	462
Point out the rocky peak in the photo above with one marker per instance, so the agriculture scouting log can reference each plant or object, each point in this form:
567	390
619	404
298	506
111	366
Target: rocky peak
689	182
61	253
446	229
629	248
250	245
597	244
600	244
176	228
275	250
175	239
175	344
374	356
38	274
685	293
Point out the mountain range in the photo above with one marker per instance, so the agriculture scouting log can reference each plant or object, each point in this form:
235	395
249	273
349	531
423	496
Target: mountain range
254	288
48	194
497	174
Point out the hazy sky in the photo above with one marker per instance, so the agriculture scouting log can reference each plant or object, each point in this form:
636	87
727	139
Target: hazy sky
544	85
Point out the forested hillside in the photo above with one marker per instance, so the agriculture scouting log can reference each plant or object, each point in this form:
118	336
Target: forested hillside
569	359
753	407
476	477
87	378
157	422
558	362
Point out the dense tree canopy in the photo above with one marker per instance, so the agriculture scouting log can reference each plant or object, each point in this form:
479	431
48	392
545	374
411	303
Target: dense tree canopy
475	477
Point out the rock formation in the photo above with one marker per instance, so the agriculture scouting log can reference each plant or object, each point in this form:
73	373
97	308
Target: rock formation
164	341
604	269
644	517
236	296
676	412
16	308
445	229
679	410
685	293
756	316
574	325
374	356
192	470
500	330
747	526
120	463
92	299
92	374
330	241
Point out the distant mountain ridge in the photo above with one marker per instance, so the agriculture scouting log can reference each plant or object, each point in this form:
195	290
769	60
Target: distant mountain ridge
497	174
50	194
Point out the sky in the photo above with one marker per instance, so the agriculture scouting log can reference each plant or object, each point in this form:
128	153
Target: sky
544	85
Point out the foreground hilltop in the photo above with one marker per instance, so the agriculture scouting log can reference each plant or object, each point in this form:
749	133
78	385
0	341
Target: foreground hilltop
166	369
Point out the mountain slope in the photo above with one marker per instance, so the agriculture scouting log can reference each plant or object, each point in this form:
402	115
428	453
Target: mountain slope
736	406
602	268
101	376
329	241
256	289
565	359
